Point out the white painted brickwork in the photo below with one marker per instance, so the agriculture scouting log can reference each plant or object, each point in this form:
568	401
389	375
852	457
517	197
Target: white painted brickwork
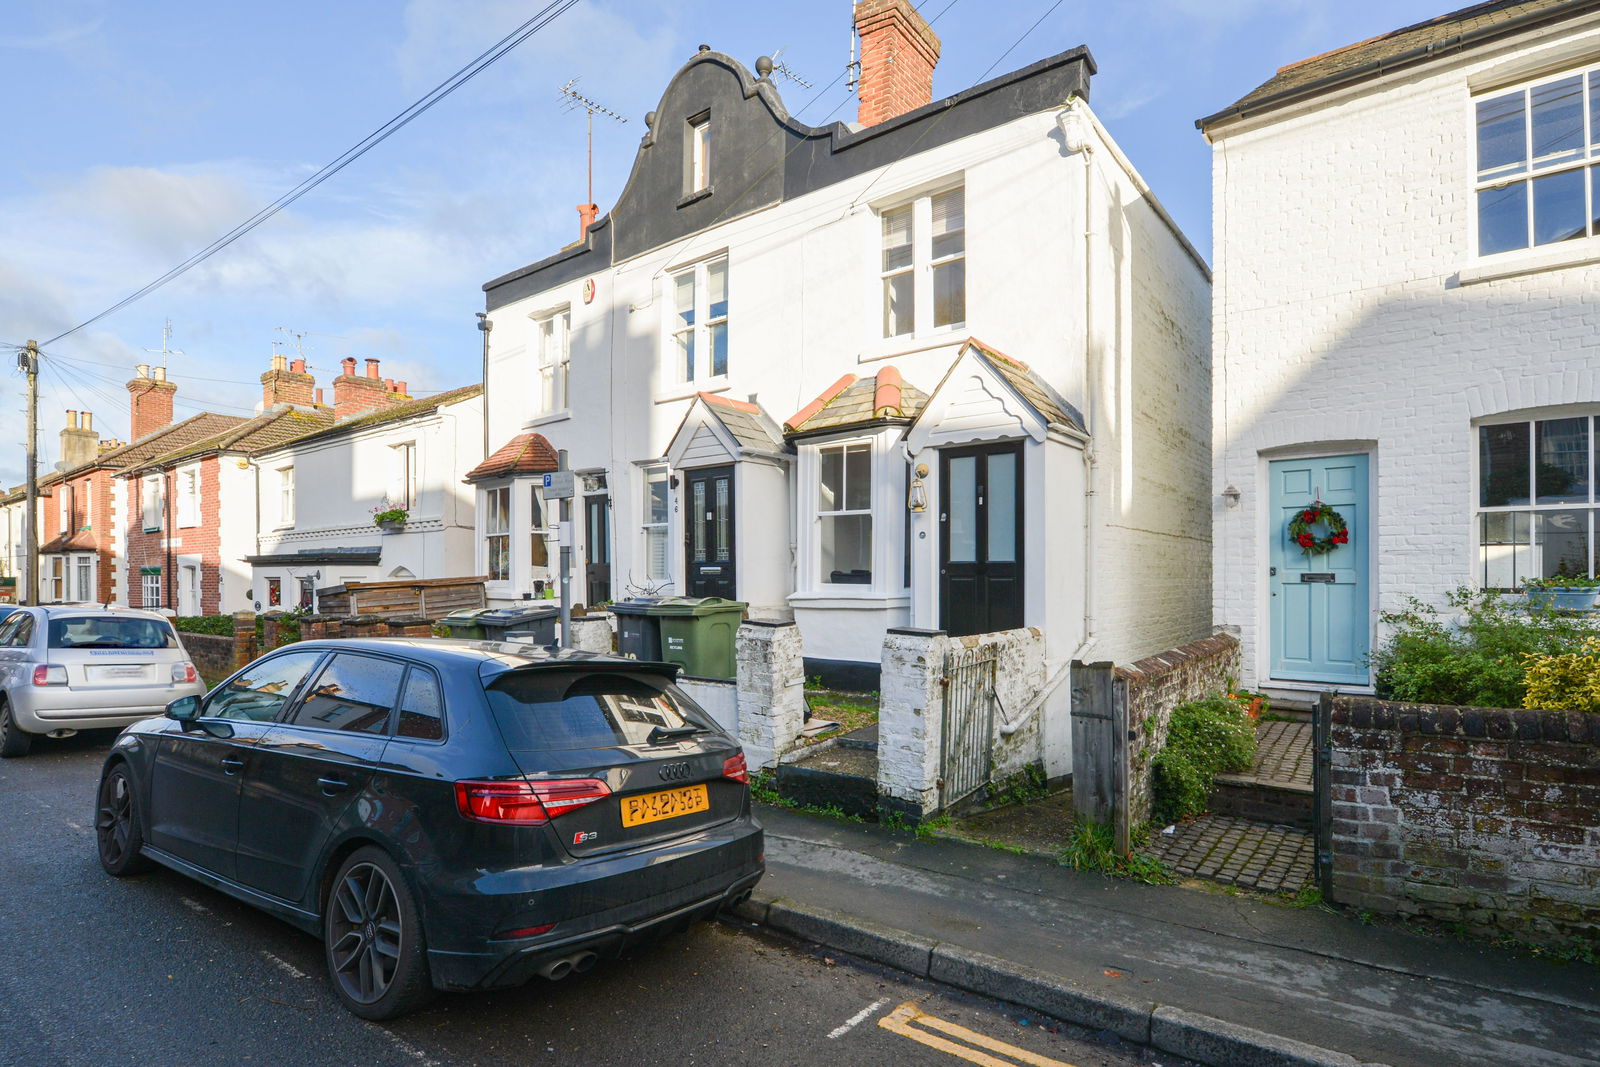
771	691
1342	235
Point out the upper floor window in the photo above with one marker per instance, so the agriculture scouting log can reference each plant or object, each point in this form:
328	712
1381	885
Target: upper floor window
1535	182
285	496
699	323
189	497
403	479
551	337
924	268
151	500
65	515
1538	502
497	533
697	154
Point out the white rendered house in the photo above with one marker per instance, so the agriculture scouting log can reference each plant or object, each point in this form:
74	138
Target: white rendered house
864	375
316	499
1407	308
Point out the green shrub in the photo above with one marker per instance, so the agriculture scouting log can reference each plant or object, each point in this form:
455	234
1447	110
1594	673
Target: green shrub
1205	738
1569	681
1482	661
218	625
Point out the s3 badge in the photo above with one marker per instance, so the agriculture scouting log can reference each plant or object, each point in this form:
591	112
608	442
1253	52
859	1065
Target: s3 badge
584	836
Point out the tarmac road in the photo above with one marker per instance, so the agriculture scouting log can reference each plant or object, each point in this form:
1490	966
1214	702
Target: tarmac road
162	970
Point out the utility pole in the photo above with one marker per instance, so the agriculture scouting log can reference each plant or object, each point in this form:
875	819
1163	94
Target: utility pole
28	360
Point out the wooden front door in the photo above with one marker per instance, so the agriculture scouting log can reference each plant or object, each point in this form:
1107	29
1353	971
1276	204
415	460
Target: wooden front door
597	548
1320	606
708	532
980	539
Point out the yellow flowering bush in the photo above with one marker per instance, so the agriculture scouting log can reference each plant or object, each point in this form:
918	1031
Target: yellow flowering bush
1567	681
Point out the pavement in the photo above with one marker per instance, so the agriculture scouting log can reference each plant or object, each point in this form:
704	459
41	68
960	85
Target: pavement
1218	978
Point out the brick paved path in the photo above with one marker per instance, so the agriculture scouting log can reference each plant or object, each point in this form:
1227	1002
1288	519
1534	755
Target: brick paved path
1283	753
1233	851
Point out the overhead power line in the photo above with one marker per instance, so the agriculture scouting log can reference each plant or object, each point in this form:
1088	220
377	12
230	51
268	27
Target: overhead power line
511	40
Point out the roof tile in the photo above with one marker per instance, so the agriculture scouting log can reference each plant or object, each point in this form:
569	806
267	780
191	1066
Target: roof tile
526	453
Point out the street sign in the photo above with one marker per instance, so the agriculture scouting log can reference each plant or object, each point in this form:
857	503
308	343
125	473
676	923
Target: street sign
558	485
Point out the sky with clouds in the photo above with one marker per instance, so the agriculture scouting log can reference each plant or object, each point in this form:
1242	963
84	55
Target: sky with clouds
137	133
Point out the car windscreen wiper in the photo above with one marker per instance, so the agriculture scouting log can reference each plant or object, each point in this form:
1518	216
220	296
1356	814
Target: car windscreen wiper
662	734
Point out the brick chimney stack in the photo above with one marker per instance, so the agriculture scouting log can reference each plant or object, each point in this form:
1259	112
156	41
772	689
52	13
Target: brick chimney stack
898	53
356	395
287	383
150	396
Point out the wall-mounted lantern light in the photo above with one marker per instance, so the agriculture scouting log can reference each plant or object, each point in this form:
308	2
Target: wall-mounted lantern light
1230	496
917	498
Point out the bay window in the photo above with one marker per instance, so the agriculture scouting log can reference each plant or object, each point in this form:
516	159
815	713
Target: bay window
697	349
1538	163
844	514
1537	500
497	533
657	509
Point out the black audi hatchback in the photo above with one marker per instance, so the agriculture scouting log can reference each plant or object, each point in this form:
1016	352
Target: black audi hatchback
443	814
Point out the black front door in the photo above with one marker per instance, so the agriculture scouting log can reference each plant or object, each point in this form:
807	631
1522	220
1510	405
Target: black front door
980	539
708	531
597	548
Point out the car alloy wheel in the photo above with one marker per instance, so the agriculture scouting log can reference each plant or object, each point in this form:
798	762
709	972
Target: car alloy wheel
366	933
13	740
116	825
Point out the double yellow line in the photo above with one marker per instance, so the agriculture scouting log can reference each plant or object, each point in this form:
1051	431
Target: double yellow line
909	1021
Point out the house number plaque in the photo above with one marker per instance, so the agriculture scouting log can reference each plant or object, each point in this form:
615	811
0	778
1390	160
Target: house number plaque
1312	576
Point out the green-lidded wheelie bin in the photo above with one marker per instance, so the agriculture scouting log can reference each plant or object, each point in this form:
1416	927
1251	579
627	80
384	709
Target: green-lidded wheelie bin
638	632
464	623
700	634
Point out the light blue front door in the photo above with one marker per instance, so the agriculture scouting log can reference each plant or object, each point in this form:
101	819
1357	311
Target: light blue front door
1321	615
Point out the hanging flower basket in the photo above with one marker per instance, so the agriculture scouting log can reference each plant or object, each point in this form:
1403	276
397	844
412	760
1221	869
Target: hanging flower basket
1302	529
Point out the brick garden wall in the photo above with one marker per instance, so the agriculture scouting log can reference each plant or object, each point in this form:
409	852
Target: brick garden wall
1156	685
1482	816
212	654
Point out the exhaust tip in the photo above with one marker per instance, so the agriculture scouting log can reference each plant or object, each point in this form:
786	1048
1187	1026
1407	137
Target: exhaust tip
583	961
556	970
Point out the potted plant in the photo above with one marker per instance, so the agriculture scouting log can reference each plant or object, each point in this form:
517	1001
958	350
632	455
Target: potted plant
390	518
1563	592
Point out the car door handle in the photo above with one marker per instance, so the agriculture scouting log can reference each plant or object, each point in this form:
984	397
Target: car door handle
232	765
332	786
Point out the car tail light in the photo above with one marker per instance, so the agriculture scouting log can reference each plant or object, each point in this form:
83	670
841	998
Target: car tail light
49	675
734	767
524	803
184	672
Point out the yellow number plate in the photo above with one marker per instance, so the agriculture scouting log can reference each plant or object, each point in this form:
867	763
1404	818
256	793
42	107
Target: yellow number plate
667	804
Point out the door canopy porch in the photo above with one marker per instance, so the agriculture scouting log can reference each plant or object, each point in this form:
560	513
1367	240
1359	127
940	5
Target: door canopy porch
989	396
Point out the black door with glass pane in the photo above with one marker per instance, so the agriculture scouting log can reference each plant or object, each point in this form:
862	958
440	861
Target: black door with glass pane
708	531
980	539
597	548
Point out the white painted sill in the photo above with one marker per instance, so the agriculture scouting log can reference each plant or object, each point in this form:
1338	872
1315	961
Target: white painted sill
1531	261
894	348
684	392
545	420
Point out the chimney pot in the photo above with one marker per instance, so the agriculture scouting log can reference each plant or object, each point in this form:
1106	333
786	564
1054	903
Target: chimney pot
88	420
160	374
587	213
143	369
349	365
319	398
72	419
279	362
298	366
400	387
372	367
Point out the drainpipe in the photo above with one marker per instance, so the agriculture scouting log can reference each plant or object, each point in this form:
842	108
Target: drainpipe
166	529
1077	136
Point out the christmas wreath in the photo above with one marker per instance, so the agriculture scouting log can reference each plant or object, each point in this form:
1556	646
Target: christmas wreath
1300	529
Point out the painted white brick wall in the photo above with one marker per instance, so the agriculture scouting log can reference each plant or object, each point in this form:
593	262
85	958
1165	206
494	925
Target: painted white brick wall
1342	231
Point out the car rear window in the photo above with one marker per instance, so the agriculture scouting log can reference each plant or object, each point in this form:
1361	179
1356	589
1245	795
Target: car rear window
554	710
110	631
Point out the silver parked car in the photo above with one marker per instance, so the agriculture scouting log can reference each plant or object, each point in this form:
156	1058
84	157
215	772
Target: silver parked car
71	667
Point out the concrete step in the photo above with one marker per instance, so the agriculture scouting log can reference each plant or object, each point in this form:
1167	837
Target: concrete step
866	737
1280	803
838	776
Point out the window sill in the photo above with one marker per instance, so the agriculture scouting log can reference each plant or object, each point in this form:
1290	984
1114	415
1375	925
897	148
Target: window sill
684	392
848	596
894	348
697	196
1528	261
545	420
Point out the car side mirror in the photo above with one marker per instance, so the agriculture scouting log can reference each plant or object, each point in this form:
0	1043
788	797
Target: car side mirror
185	709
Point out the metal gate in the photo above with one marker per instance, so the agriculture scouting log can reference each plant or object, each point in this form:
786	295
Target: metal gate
965	758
